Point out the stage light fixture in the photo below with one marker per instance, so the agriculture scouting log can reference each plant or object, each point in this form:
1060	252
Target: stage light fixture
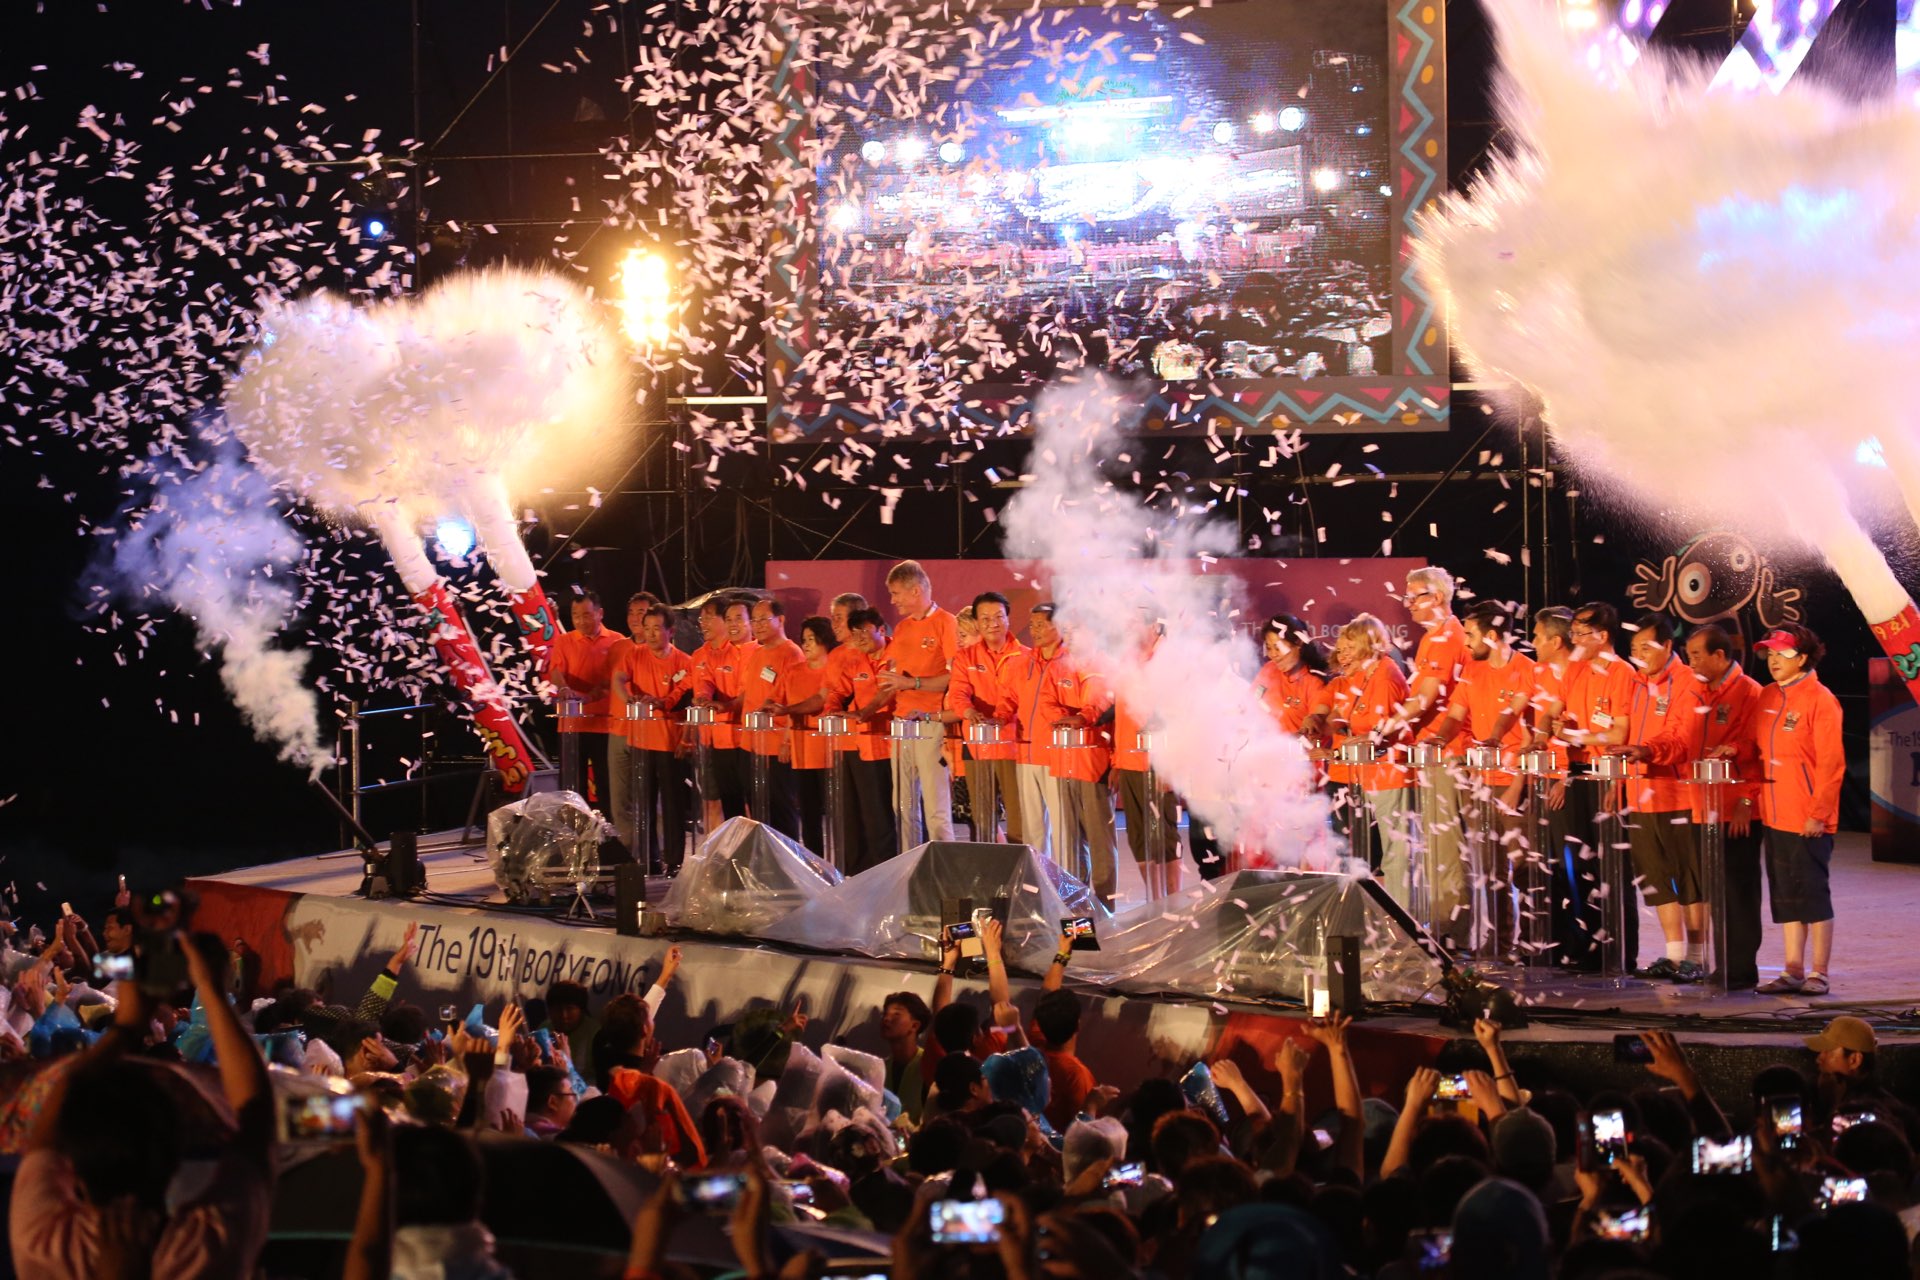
454	536
645	292
1264	122
873	152
1325	179
952	152
376	228
845	217
909	150
1223	132
1293	119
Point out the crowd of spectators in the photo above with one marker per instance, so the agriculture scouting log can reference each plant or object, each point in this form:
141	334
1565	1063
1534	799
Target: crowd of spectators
978	1119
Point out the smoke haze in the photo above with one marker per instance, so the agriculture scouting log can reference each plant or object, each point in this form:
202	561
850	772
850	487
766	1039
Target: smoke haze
1117	567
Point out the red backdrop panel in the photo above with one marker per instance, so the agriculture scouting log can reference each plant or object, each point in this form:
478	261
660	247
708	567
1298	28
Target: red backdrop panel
1326	593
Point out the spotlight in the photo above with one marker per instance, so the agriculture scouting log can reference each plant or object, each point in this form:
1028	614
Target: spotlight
644	297
952	152
1264	122
1223	132
376	228
845	217
1293	119
1325	179
909	150
454	536
1386	190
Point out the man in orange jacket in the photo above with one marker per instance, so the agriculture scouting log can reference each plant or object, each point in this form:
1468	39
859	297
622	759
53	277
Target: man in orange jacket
1663	740
1073	698
983	688
582	664
1730	697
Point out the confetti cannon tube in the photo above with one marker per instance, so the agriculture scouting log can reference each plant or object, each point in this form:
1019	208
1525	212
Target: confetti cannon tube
499	534
1900	637
492	717
453	641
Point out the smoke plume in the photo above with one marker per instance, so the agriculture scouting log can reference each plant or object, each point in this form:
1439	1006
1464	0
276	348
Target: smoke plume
490	381
1118	568
1712	293
211	544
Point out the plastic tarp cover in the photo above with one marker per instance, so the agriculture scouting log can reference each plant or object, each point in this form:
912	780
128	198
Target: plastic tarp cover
743	878
893	911
544	841
1258	934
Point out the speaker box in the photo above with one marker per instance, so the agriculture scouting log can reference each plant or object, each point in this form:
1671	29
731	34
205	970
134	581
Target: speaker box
1273	928
951	870
629	898
395	872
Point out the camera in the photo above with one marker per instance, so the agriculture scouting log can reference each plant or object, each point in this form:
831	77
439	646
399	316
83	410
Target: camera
318	1117
1735	1155
716	1193
1623	1224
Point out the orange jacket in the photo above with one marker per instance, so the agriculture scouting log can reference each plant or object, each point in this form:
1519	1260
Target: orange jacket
762	670
798	683
922	647
1730	707
716	675
1443	656
1599	699
1036	742
988	682
1072	690
1550	688
1667	719
1797	727
1291	697
1381	689
589	664
1482	694
852	684
667	680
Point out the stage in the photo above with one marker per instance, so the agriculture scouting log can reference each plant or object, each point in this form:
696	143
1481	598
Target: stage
305	919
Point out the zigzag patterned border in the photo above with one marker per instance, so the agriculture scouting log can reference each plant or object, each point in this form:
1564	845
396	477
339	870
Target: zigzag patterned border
1411	399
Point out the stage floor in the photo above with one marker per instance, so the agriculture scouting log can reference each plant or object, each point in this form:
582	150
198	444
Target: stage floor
1874	968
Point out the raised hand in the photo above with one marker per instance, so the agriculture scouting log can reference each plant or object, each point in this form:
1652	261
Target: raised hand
1331	1031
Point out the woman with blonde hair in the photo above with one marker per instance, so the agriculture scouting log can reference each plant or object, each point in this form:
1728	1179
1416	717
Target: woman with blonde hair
1365	708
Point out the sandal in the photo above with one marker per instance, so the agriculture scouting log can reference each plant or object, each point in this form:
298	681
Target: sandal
1784	985
1815	985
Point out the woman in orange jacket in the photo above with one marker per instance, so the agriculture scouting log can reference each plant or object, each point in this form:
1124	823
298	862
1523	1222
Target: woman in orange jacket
1797	728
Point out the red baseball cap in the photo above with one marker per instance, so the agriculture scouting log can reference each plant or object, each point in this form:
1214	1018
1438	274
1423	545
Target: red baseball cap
1783	641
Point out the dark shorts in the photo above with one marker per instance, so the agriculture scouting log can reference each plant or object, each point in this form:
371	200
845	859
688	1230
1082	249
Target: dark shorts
1666	857
1797	885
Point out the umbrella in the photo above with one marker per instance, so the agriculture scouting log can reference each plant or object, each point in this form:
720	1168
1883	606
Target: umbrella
206	1123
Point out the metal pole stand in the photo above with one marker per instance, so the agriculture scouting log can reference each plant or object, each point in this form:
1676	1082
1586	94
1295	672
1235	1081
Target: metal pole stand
984	787
1484	871
573	765
1531	873
760	728
908	732
835	729
1356	754
699	723
1615	891
1712	776
640	782
1153	841
1073	855
1428	759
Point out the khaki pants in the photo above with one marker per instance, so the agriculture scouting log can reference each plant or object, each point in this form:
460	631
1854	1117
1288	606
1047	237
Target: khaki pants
920	783
1039	801
1085	822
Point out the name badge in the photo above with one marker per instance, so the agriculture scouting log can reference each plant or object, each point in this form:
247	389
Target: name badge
1660	706
1723	714
768	674
1601	720
1791	722
678	676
